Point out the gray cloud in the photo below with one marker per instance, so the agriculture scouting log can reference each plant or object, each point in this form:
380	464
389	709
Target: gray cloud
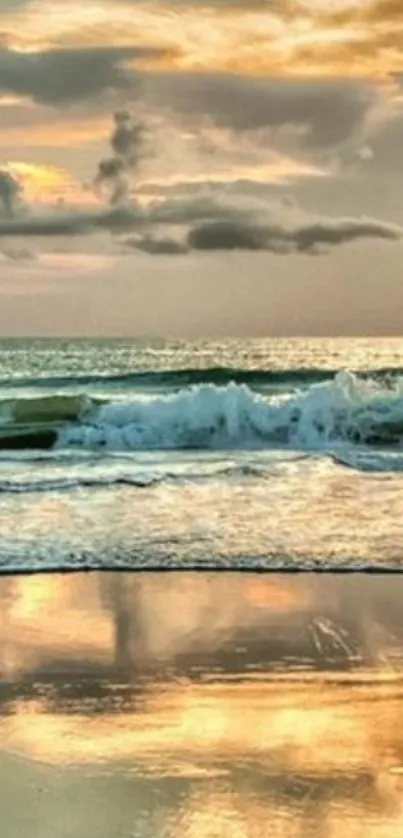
71	224
13	5
158	246
229	220
66	75
306	116
190	209
387	145
305	237
228	235
118	219
10	191
127	143
330	111
209	223
182	211
275	228
325	113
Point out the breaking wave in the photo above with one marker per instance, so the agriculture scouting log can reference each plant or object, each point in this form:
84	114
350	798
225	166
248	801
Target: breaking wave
347	409
207	416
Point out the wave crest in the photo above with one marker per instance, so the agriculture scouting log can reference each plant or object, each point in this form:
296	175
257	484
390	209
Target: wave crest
208	416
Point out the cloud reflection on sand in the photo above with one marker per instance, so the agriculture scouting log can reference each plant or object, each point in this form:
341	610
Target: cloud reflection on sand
214	704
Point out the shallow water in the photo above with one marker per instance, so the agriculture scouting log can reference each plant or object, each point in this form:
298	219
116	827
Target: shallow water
201	705
299	514
284	453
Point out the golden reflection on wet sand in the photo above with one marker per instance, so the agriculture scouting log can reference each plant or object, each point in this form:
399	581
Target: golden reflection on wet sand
201	706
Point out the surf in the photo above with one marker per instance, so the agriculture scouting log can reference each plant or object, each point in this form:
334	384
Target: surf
207	416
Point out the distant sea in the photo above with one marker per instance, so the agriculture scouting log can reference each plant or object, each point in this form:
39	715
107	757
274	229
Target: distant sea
277	454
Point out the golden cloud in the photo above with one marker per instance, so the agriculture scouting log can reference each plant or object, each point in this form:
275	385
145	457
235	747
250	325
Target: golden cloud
292	38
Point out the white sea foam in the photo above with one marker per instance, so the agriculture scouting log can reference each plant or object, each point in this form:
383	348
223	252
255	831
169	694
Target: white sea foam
207	416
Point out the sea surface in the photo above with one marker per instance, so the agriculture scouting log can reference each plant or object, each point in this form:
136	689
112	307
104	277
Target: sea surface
272	454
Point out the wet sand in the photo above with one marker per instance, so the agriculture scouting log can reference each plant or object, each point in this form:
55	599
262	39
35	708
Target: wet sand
196	705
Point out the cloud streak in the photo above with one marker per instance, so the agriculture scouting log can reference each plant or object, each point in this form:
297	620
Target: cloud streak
306	237
309	236
118	219
325	114
206	221
71	224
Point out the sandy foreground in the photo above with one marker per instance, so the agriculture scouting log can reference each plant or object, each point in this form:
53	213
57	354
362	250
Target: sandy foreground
195	705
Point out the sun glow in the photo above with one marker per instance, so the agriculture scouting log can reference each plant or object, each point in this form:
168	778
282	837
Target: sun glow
42	183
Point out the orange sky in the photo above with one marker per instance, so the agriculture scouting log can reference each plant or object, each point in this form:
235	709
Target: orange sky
347	37
296	103
302	38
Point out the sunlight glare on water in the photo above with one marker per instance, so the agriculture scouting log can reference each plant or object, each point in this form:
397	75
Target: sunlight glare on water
266	453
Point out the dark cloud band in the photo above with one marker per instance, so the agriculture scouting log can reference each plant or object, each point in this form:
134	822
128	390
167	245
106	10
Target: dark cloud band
67	75
306	237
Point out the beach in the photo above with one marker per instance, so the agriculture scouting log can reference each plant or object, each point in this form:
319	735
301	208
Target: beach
201	419
195	704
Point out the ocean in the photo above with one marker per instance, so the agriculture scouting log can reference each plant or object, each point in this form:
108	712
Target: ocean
261	454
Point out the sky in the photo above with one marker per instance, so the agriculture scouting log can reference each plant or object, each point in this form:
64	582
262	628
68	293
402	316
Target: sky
201	167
